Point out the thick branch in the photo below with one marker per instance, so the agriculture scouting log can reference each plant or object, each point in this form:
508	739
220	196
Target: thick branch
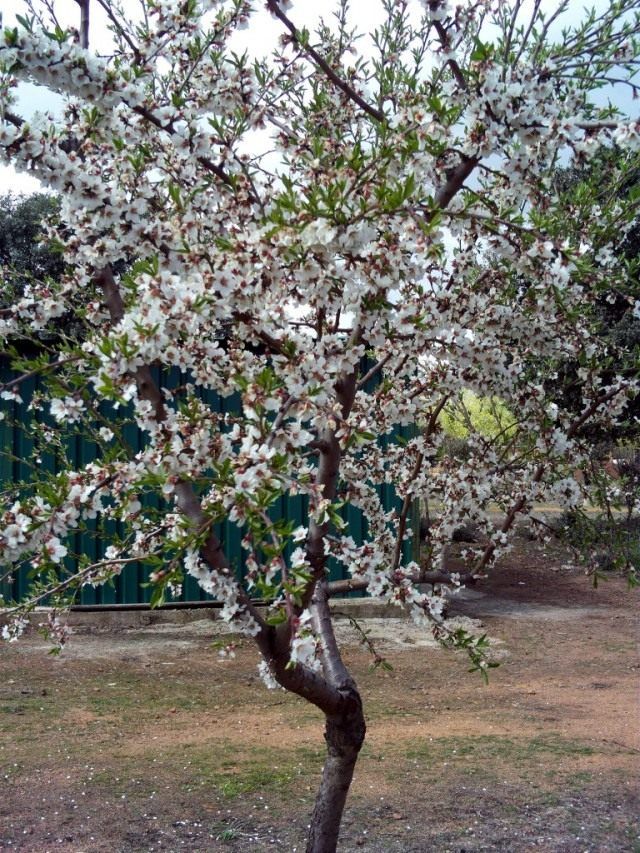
455	180
334	668
327	477
84	23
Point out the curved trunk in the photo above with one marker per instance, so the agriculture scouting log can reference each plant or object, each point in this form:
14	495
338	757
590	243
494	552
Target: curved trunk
344	735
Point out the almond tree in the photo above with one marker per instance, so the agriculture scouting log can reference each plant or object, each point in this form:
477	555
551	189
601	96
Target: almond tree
348	232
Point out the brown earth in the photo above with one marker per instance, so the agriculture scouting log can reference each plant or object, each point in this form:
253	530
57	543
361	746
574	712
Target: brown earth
147	740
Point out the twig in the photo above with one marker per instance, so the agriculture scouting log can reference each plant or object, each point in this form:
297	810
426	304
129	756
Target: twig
365	640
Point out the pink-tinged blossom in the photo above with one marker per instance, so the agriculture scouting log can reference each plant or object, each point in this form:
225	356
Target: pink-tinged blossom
69	409
54	550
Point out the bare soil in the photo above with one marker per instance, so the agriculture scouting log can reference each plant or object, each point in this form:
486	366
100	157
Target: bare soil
148	740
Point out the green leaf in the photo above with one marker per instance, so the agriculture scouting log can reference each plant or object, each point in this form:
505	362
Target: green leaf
157	597
481	51
27	23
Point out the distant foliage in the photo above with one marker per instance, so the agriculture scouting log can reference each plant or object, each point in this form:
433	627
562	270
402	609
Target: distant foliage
487	416
26	256
602	183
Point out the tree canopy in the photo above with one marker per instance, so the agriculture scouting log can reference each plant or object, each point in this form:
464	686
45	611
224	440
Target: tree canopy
346	233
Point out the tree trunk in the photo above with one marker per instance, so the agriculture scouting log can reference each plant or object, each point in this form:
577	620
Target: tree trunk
344	735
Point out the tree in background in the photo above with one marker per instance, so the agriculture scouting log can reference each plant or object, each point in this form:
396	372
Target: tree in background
595	185
487	415
23	257
311	232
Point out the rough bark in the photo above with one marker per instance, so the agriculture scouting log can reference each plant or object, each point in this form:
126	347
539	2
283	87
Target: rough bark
344	735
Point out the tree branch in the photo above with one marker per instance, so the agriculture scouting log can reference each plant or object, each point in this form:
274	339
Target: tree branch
335	670
84	23
186	498
274	7
454	183
519	505
374	370
342	587
106	5
453	65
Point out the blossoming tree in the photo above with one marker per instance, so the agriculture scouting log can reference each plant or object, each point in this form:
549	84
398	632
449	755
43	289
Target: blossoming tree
348	233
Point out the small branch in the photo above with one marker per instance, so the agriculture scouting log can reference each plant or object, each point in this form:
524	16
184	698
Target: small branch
453	65
13	119
84	23
404	512
373	371
604	398
342	587
38	371
519	505
218	171
208	164
277	543
280	417
408	499
124	35
365	640
435	414
274	344
71	581
274	7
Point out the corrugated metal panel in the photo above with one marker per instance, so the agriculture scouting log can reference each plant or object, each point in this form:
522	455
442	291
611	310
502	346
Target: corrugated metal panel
16	446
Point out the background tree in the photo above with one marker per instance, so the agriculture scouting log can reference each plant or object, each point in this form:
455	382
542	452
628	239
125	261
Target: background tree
330	205
597	184
23	256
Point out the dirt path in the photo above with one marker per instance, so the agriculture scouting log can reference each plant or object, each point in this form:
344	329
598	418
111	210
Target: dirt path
148	740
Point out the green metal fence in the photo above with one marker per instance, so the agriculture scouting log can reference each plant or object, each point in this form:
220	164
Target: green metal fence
16	448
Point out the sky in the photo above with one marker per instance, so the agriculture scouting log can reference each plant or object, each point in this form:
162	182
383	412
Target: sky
264	30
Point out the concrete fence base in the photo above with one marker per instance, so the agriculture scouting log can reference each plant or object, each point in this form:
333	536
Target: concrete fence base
114	617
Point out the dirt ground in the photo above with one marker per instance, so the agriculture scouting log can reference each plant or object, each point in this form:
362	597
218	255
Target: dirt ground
148	740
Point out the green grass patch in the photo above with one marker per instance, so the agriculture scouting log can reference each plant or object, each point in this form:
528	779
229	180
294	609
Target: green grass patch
233	773
491	747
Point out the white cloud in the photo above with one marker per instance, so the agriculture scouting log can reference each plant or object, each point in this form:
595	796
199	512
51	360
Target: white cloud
17	182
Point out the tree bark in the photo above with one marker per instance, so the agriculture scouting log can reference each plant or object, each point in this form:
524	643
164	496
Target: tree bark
344	735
